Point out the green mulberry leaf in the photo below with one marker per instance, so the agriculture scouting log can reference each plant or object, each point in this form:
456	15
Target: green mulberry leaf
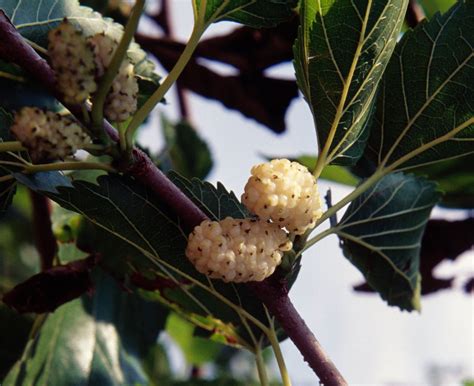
381	235
342	49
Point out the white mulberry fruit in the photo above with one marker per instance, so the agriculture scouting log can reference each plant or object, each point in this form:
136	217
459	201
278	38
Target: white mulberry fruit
237	250
284	192
48	135
121	101
73	62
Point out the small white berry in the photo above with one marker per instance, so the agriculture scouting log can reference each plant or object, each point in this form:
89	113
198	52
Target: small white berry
237	250
284	192
121	101
73	62
48	135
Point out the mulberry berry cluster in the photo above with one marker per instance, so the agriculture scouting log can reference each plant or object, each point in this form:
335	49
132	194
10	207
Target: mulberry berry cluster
237	250
73	63
48	135
284	192
79	62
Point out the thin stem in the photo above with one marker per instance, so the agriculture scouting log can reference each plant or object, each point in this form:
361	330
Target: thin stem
37	47
262	372
8	177
314	240
379	173
68	166
98	100
285	377
37	323
158	95
11	146
12	163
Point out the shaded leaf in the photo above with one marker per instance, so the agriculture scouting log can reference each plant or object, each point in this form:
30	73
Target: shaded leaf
93	341
341	52
442	240
254	13
381	235
455	178
216	202
255	95
425	107
139	235
14	330
47	290
185	150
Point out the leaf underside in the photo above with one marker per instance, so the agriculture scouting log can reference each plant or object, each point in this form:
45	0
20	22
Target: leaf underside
381	235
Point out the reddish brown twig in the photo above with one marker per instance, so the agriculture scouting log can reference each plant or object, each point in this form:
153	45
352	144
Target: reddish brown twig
415	14
42	230
274	296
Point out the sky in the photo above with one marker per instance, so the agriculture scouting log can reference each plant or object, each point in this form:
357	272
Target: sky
370	343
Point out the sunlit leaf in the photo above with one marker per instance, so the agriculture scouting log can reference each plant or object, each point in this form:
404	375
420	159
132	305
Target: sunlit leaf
425	108
341	52
254	13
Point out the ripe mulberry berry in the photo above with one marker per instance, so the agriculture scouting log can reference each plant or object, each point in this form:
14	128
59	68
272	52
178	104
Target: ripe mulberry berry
121	101
237	250
73	62
284	192
48	135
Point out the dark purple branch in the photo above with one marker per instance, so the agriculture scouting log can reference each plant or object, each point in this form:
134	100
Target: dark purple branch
42	230
15	49
274	296
415	14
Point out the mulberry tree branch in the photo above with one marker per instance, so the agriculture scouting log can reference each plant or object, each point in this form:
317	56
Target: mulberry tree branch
272	293
45	241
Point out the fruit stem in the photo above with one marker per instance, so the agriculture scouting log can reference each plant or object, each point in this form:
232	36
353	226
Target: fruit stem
262	372
272	337
98	100
11	146
379	173
68	166
158	95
